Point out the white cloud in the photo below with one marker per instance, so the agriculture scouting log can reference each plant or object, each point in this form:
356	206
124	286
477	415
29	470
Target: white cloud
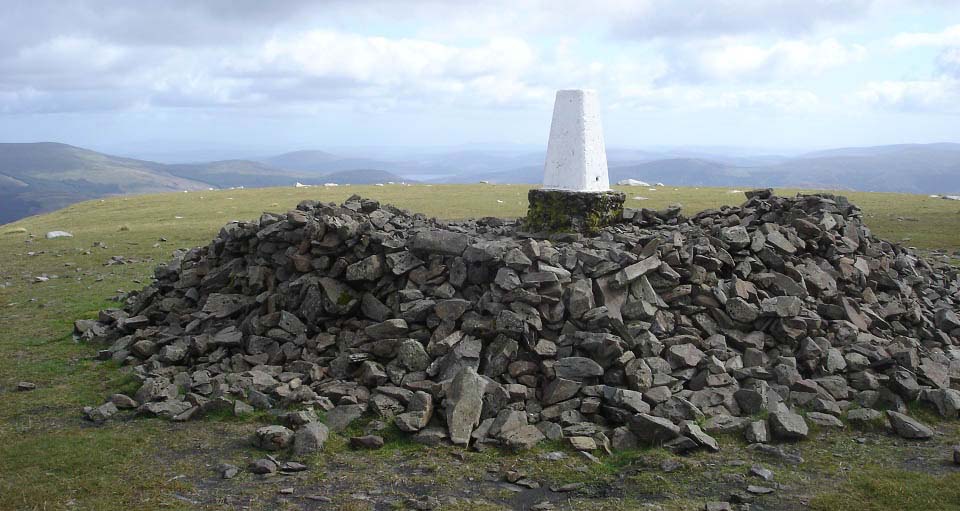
694	99
940	95
949	61
949	36
740	61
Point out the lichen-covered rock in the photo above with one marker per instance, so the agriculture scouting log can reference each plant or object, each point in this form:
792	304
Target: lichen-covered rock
272	438
569	211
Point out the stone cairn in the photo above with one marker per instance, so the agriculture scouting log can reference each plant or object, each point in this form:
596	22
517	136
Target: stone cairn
758	319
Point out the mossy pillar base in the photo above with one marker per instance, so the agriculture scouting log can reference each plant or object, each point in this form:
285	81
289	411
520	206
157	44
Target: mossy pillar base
569	211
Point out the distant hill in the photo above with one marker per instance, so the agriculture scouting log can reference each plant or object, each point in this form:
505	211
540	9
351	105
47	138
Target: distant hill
363	177
321	162
44	176
908	168
228	173
299	160
884	150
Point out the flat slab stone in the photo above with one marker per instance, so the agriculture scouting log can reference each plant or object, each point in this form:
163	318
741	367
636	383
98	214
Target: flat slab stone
908	427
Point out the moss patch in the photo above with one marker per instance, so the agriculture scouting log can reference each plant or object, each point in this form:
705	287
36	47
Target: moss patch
565	211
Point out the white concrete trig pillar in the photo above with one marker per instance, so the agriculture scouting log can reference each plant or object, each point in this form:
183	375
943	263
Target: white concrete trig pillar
576	155
576	194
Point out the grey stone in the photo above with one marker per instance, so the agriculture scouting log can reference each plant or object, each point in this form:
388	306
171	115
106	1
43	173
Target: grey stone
653	430
787	425
763	473
369	268
692	430
684	355
413	356
677	409
946	401
263	466
637	270
737	237
418	414
577	368
439	241
824	420
782	306
123	402
402	262
946	319
630	400
741	310
865	418
559	389
164	409
310	438
757	432
582	443
453	308
340	417
464	404
908	427
523	438
578	297
367	442
388	329
272	438
102	412
622	439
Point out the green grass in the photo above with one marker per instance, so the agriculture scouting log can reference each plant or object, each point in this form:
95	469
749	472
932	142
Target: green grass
893	490
51	459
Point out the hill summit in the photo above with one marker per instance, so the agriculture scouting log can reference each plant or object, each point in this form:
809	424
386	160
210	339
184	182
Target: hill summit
757	320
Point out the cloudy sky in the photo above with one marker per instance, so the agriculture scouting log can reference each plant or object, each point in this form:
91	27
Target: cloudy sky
251	75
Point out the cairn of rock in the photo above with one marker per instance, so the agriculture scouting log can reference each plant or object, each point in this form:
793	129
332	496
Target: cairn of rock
756	319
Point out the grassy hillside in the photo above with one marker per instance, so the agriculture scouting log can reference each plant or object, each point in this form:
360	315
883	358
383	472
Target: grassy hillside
51	459
45	176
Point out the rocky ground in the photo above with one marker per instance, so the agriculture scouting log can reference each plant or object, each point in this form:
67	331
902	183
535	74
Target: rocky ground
671	363
757	321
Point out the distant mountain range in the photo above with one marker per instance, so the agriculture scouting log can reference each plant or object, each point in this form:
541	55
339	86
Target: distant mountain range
908	168
44	176
39	177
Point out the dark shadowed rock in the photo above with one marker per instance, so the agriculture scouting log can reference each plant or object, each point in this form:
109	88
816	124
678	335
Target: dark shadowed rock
577	368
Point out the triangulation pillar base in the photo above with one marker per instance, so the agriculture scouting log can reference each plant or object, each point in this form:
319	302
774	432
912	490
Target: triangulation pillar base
570	211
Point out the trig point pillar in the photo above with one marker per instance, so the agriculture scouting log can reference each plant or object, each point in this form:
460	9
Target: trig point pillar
576	193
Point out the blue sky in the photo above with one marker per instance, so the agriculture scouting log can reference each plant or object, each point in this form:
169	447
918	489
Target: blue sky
254	77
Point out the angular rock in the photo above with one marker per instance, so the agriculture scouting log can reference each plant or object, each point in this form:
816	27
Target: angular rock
908	427
463	405
787	425
272	438
653	430
310	438
577	368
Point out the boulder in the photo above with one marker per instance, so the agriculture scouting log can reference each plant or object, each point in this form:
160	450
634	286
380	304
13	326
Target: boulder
464	404
908	427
